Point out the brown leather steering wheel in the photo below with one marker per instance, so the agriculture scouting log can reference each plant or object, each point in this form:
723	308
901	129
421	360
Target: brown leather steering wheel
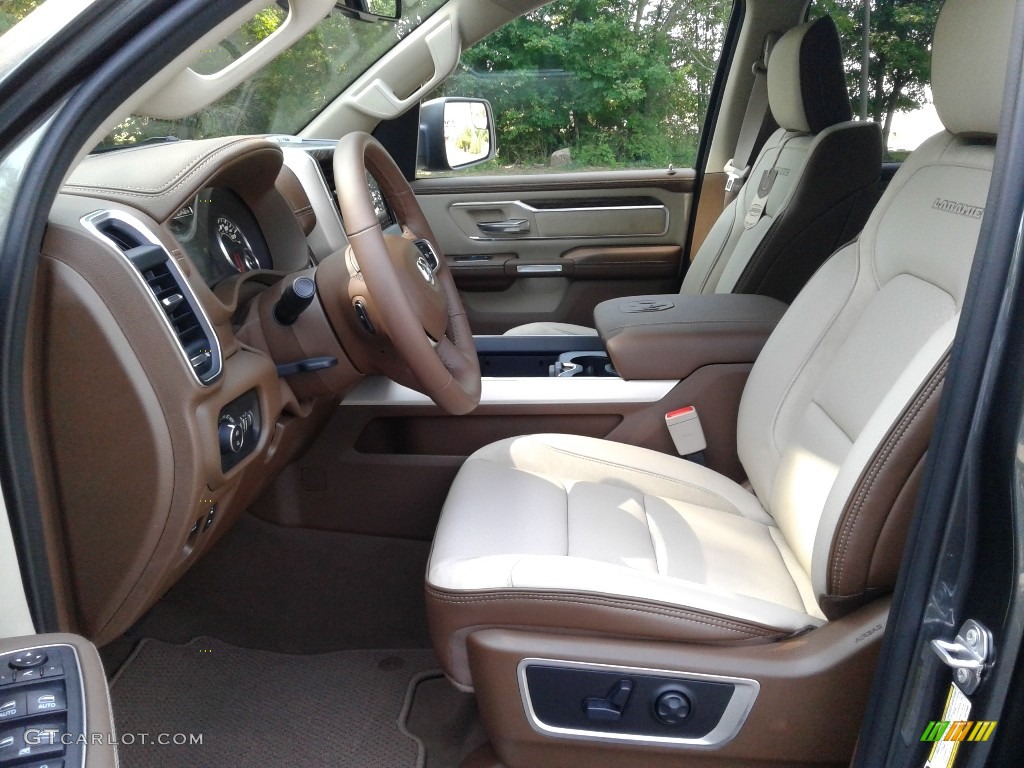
415	302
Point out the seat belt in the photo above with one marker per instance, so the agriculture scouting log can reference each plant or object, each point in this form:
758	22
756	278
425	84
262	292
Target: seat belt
758	124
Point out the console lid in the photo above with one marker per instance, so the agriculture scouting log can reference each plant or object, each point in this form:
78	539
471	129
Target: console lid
669	336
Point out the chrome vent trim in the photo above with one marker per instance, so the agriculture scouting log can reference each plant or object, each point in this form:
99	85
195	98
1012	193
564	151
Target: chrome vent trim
167	288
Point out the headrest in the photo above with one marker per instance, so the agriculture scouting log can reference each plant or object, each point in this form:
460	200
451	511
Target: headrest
969	56
806	85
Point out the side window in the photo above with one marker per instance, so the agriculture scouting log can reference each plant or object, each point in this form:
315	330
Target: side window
899	69
596	85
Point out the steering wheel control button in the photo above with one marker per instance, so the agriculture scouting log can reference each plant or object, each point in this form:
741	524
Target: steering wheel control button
672	707
231	435
46	698
363	316
12	705
294	300
28	659
427	251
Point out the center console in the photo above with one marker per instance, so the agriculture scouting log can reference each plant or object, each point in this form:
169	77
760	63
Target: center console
658	337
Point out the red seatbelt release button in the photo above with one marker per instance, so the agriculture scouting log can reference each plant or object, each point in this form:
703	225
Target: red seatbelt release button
684	427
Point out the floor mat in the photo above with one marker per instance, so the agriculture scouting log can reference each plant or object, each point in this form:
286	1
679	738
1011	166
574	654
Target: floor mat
257	708
294	590
445	720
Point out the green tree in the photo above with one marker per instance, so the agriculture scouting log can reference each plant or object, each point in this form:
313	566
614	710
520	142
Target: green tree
618	82
13	11
899	70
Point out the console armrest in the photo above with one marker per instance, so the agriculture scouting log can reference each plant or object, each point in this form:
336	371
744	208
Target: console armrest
670	336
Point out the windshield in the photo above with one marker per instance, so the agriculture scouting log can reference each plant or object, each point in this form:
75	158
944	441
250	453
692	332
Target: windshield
290	90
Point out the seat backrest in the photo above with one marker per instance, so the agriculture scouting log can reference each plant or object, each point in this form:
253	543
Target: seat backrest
838	409
810	189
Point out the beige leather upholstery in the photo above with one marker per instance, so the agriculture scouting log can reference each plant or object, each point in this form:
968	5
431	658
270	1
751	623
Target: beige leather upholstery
583	535
826	170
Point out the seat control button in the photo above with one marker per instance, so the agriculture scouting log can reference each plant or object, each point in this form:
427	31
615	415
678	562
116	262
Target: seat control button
610	707
672	707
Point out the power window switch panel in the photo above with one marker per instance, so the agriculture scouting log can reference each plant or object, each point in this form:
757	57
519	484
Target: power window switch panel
26	675
12	706
46	698
40	740
11	740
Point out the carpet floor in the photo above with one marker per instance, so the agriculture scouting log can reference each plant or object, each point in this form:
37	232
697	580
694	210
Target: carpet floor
261	709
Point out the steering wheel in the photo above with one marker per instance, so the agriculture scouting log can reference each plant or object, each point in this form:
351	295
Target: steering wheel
414	299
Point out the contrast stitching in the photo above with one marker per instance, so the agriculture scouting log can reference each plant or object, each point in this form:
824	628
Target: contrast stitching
650	533
810	353
751	630
852	515
175	181
649	474
766	323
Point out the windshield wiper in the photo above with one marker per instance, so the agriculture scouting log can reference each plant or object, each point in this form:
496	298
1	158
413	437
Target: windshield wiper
150	140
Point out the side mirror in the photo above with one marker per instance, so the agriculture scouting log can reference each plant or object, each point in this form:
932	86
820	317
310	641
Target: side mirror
455	133
371	10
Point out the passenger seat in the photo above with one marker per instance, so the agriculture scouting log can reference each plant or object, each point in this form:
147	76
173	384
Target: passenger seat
811	189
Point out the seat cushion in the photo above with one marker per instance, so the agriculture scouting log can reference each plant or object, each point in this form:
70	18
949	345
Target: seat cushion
605	538
550	329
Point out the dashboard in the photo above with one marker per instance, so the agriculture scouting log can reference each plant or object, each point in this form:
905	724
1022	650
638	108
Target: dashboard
159	280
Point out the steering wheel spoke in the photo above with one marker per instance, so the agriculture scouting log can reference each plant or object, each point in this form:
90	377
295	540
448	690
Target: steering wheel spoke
408	282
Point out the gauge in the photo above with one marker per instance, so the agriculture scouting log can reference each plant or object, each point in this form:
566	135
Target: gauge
234	246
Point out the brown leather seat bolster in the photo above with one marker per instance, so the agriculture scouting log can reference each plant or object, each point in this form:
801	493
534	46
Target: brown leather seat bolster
452	616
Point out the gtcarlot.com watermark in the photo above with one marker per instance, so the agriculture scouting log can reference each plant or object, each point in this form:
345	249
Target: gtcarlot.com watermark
37	736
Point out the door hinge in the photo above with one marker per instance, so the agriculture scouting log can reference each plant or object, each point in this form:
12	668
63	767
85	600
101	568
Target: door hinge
969	655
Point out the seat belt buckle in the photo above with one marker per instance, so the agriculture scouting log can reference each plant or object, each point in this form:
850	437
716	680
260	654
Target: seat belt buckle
735	175
687	433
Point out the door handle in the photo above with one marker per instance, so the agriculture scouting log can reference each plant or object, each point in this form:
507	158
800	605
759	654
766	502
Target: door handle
507	227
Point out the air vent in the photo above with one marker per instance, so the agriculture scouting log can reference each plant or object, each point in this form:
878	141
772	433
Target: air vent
168	288
124	238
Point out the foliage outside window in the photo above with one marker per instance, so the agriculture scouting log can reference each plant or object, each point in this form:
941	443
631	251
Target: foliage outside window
899	70
597	84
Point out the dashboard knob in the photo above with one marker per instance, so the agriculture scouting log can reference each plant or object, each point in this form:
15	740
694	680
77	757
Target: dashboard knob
231	435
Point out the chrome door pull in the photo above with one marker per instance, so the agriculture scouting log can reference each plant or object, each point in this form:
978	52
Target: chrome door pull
508	227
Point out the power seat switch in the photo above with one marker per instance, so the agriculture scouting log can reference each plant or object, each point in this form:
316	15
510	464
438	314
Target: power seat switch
610	707
672	707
